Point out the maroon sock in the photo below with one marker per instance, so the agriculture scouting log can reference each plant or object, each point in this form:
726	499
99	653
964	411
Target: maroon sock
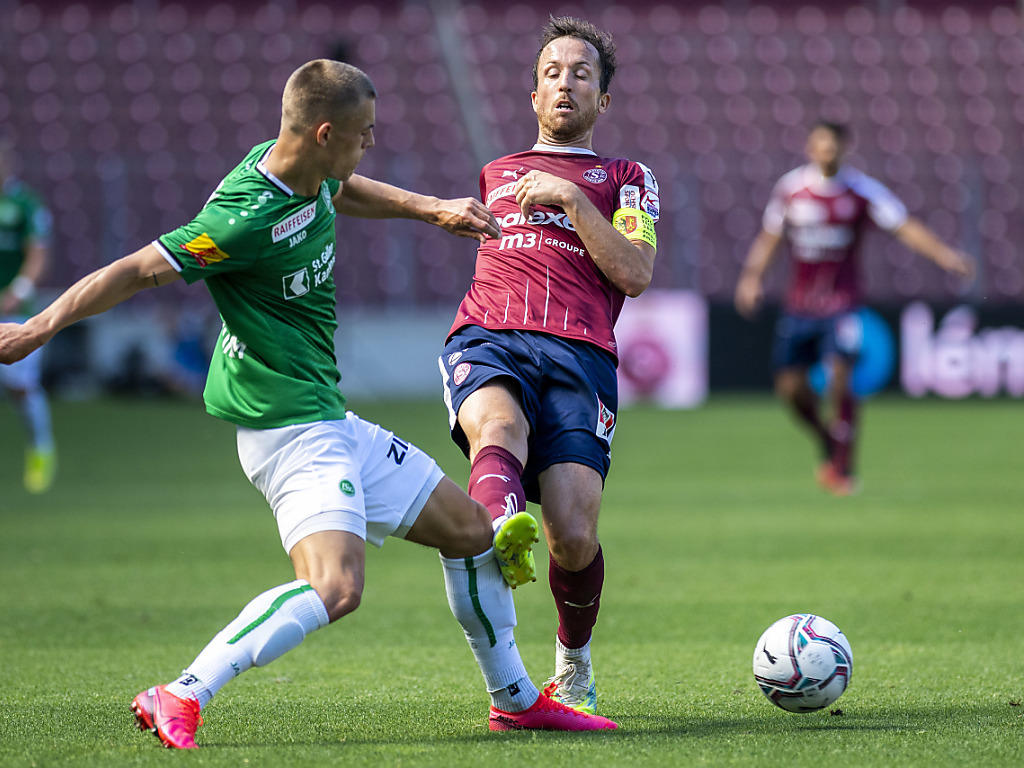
496	481
844	434
805	406
577	598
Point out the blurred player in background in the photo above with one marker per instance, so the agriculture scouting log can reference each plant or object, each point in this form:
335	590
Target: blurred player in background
25	230
264	243
822	210
529	368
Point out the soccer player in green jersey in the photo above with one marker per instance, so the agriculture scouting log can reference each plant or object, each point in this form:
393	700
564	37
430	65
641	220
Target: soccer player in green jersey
264	244
25	227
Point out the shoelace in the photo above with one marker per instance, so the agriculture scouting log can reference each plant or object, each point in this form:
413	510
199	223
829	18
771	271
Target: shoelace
566	677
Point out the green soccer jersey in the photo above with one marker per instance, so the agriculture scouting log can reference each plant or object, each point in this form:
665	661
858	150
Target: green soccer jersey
23	219
267	256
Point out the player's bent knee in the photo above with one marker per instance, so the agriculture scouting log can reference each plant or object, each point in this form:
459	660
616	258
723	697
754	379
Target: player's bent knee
339	601
574	550
344	605
786	388
453	523
470	535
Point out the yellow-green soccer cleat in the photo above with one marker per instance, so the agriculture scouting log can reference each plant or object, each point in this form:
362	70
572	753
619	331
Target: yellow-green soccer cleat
40	467
513	542
573	684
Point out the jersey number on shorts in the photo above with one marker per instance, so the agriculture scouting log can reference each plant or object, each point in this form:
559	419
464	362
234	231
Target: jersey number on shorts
397	451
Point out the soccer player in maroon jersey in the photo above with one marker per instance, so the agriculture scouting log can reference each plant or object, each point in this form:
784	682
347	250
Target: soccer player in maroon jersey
822	210
529	367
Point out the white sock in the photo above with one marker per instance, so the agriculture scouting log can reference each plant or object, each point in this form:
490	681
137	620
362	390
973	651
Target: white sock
267	628
482	602
35	413
574	655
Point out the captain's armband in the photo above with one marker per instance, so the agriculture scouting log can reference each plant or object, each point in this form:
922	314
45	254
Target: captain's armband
635	225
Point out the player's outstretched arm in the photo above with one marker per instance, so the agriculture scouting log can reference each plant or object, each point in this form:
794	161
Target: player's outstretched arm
628	264
749	289
93	294
919	238
370	199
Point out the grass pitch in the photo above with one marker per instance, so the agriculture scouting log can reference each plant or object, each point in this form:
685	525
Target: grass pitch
712	528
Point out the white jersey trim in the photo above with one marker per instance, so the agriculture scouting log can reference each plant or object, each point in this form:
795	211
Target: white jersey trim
564	150
261	166
885	209
167	256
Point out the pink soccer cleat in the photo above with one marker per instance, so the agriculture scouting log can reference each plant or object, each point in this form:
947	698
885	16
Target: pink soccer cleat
546	714
174	720
835	482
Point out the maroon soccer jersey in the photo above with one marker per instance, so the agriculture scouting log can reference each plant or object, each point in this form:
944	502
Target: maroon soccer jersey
538	275
823	220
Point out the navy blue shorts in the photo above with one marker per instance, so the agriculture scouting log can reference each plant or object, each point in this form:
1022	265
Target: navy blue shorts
804	341
567	389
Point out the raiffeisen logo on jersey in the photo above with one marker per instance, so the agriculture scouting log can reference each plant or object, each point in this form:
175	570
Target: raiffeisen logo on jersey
503	191
204	250
294	223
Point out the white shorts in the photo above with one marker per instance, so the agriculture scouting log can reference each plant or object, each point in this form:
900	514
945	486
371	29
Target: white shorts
24	374
346	475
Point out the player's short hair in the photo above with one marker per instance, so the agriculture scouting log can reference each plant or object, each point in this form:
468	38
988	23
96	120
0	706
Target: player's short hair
569	26
323	90
837	129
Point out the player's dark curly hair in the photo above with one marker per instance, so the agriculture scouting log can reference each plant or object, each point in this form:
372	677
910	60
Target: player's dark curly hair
569	26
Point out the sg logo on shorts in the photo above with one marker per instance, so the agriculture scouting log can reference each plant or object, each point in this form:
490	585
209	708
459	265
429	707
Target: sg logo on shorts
461	372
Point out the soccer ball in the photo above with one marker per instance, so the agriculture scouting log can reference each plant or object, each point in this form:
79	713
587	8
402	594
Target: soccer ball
803	663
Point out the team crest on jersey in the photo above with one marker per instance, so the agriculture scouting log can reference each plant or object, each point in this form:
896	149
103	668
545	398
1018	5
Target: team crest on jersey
325	193
296	284
461	372
204	250
605	422
596	175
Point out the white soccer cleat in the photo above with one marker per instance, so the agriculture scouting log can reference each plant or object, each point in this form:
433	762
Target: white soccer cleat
573	683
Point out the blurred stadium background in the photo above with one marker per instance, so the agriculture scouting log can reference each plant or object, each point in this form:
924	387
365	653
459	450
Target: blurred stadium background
127	114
